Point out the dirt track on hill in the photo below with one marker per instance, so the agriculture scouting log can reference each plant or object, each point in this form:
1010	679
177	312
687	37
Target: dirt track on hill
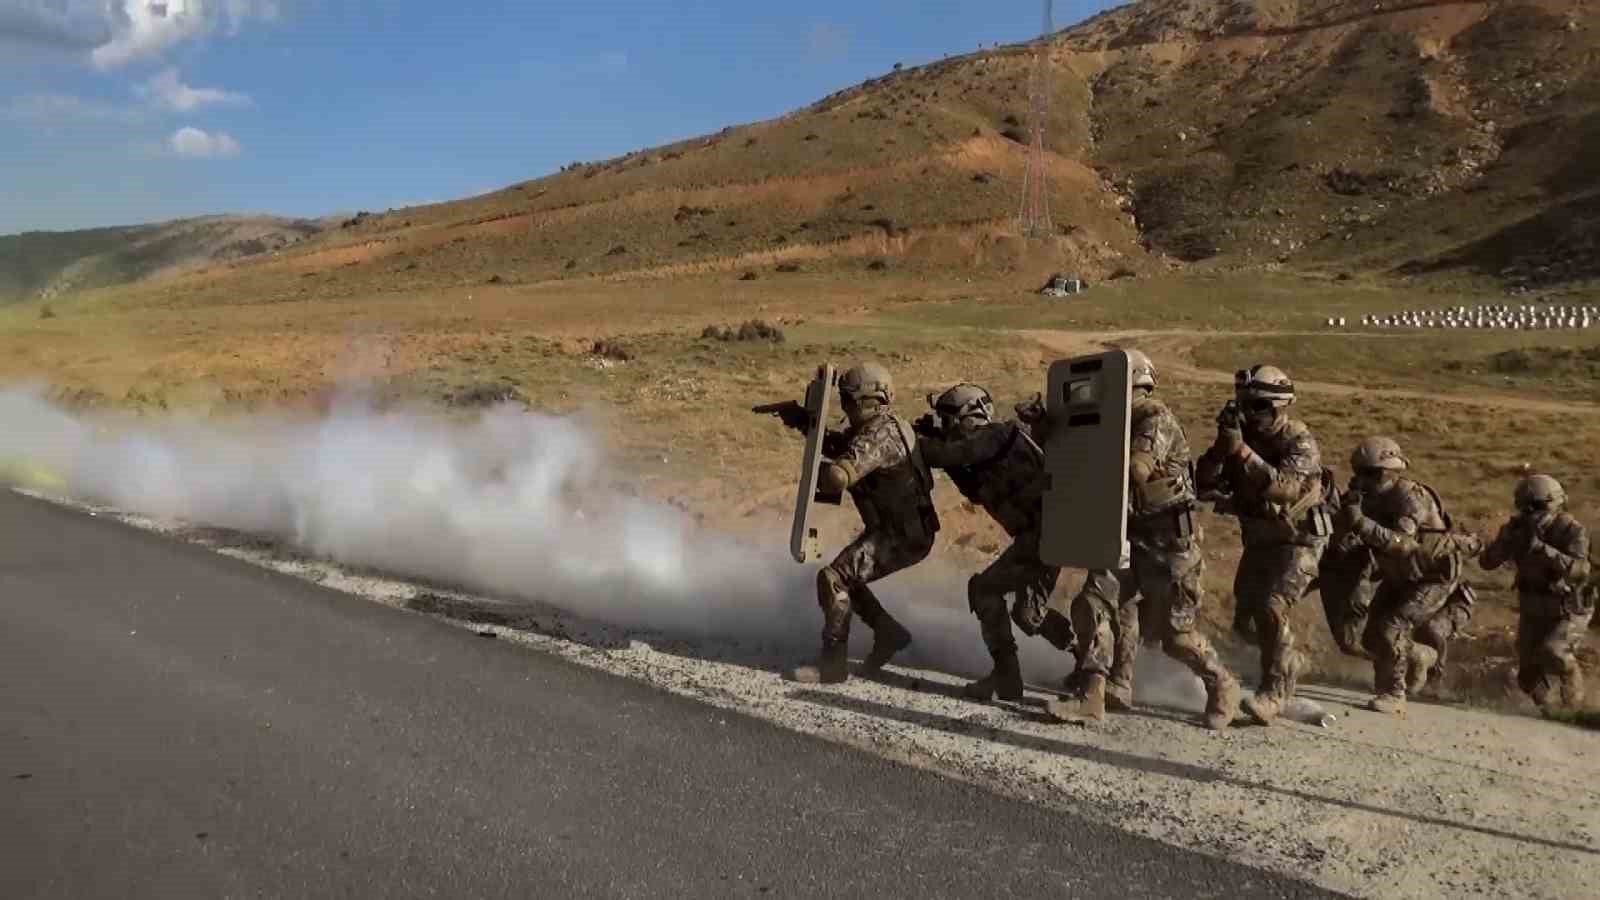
1172	352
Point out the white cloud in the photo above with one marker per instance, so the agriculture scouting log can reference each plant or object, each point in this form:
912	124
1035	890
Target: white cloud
165	89
59	24
197	144
117	32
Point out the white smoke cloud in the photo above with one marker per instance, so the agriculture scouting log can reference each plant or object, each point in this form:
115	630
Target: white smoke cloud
165	89
516	504
199	144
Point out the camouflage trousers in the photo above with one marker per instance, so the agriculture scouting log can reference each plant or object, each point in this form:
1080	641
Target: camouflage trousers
842	584
1347	581
1405	614
1156	599
1018	570
1270	580
1549	631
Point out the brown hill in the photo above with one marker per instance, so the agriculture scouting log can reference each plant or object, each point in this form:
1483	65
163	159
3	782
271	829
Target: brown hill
1418	138
44	264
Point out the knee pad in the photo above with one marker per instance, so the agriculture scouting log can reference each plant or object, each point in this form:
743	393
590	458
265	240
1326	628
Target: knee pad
1057	629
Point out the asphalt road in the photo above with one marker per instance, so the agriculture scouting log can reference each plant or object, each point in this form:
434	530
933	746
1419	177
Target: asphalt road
177	724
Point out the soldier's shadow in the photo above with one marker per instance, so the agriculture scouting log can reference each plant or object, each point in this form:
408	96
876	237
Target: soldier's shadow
1145	764
1030	707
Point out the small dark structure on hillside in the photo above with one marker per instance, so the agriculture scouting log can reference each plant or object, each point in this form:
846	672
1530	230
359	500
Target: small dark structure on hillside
1061	285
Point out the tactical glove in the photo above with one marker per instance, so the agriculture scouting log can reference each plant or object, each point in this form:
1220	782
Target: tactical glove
1230	428
1033	411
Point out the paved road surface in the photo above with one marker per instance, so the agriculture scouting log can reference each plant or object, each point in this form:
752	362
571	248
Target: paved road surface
177	724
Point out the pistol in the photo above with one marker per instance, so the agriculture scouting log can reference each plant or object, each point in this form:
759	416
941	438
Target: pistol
791	413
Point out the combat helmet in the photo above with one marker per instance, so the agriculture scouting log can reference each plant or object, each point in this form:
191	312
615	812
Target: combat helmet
1263	387
1378	453
1539	493
1143	370
963	401
866	381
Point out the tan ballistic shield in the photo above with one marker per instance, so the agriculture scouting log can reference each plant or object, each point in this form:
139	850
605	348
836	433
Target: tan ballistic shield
1088	404
803	544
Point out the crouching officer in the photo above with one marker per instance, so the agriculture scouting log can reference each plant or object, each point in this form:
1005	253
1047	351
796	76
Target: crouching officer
1419	555
1550	549
996	465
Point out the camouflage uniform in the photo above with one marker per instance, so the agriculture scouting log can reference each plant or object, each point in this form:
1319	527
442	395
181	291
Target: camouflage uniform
1551	553
1158	596
998	467
1417	607
1276	488
892	490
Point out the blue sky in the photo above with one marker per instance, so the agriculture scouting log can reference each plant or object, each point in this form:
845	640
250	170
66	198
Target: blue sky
112	112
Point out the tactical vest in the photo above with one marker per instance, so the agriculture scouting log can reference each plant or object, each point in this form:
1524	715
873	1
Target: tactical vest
1007	485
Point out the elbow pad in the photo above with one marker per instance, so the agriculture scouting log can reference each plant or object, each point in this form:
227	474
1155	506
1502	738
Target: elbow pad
835	477
1140	467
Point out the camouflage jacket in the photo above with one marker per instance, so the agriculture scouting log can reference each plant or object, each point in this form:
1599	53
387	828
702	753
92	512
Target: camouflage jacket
1551	553
889	480
1157	449
1397	523
996	466
1276	489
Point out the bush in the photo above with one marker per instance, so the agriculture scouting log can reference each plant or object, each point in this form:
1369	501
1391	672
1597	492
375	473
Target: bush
1512	361
607	348
753	330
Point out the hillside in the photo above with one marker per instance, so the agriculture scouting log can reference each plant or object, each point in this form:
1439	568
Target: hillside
43	264
1423	138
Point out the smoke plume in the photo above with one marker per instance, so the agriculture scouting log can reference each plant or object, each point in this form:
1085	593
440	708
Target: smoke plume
515	504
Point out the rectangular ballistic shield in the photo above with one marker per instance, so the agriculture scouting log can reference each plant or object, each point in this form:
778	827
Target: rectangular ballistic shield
1088	402
803	544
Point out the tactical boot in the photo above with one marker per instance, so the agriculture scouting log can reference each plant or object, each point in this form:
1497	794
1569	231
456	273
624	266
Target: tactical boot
1005	681
1263	706
888	638
1222	702
1391	704
832	667
1422	659
1572	688
1119	696
1090	706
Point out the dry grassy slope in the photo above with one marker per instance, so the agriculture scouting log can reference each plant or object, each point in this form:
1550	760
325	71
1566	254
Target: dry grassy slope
1418	133
46	264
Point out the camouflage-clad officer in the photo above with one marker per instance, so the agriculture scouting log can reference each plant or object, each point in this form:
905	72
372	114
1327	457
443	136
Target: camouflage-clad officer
1550	549
1419	561
877	461
1269	466
1161	586
997	465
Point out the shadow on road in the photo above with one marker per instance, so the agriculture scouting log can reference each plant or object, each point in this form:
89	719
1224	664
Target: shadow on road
1146	764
